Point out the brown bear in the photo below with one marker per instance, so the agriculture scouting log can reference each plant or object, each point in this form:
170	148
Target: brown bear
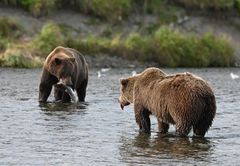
68	67
184	100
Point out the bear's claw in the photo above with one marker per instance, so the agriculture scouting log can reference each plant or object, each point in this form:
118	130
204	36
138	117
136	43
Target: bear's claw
122	106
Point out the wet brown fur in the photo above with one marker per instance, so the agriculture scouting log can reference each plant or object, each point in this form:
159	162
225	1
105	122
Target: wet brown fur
182	99
66	64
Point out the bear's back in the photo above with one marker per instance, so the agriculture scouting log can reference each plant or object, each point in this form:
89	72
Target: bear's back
179	88
188	89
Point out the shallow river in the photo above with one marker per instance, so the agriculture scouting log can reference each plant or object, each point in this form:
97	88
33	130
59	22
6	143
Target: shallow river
99	133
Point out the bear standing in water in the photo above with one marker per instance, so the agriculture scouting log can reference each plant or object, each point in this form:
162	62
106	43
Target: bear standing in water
63	68
182	99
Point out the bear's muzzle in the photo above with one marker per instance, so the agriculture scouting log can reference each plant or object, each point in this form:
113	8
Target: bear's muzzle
66	81
123	103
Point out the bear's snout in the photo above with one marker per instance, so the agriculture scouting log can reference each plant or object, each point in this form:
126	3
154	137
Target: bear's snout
66	81
122	103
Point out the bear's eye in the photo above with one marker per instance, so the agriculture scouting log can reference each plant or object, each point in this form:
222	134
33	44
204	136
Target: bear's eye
124	82
57	61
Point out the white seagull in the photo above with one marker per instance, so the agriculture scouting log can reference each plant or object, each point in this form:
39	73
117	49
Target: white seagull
99	74
234	76
105	69
134	73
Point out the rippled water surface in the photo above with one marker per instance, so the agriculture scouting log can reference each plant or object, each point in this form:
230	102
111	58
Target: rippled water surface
97	132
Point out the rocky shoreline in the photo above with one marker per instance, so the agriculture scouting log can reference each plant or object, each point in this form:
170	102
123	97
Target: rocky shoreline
192	24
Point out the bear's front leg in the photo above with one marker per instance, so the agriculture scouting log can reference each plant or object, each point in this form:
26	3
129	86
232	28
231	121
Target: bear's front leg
81	90
162	127
44	91
45	87
142	118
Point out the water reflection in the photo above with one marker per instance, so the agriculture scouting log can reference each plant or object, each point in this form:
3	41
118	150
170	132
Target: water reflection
156	149
57	106
57	116
62	109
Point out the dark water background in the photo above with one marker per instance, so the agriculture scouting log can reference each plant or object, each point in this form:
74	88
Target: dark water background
99	133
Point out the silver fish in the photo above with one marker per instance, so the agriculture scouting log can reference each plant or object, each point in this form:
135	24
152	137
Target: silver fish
69	90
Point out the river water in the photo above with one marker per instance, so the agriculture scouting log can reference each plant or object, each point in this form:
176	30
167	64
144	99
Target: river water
98	132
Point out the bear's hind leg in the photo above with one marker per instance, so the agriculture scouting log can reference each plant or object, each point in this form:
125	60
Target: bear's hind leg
205	121
183	129
202	126
162	127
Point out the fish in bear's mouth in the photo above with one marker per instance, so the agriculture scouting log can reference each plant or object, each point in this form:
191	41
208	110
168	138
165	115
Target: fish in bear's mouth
69	90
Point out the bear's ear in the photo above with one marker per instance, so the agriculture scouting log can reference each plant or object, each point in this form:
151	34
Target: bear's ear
57	61
72	60
124	81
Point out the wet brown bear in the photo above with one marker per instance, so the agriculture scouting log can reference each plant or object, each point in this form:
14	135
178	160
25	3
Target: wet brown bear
182	99
67	66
